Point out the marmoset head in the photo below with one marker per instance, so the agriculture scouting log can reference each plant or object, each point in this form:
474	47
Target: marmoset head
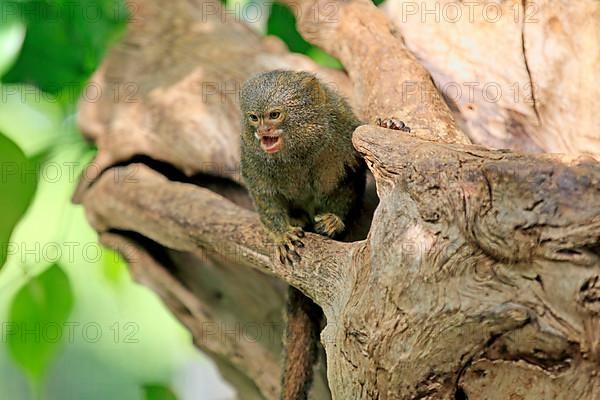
282	111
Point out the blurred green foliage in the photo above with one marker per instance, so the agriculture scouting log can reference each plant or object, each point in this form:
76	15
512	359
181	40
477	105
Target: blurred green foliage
69	38
45	301
17	190
74	325
282	23
158	392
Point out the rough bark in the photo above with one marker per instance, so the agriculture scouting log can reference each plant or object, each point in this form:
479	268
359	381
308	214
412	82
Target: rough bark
480	273
520	74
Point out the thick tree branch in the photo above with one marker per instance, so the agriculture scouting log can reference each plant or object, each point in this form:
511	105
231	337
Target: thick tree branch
388	80
187	218
515	207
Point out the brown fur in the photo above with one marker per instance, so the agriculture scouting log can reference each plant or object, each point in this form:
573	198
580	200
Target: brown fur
301	351
315	181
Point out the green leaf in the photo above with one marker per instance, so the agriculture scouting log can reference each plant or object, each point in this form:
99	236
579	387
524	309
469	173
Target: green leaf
158	392
31	118
113	266
65	41
282	23
322	57
36	318
12	33
17	184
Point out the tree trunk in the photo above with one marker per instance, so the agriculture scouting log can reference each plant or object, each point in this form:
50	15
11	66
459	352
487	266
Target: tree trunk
478	274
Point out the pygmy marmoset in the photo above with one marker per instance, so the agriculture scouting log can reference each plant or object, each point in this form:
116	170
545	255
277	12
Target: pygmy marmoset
302	173
298	161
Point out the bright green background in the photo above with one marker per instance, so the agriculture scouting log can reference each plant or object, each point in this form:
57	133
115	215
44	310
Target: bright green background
93	333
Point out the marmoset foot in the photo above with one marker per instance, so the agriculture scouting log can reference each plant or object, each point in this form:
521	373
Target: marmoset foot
329	224
392	123
288	244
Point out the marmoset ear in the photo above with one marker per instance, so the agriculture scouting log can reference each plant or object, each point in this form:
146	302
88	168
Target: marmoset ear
315	90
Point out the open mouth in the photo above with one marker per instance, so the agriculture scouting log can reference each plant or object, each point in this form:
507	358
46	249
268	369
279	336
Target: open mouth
270	144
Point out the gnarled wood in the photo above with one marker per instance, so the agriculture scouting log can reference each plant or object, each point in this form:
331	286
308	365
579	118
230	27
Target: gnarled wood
480	273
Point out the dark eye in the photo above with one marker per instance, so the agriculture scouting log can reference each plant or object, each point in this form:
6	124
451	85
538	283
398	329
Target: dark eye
274	114
253	117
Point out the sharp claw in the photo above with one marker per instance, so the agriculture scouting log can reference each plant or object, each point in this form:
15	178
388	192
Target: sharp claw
281	254
290	261
287	246
295	255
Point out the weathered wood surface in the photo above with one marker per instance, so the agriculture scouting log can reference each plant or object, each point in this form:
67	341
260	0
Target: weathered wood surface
520	74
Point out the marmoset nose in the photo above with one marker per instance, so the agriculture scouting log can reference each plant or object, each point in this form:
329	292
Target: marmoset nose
265	130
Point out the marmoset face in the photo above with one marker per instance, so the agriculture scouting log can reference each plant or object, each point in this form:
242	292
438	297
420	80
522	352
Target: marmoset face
267	127
280	112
